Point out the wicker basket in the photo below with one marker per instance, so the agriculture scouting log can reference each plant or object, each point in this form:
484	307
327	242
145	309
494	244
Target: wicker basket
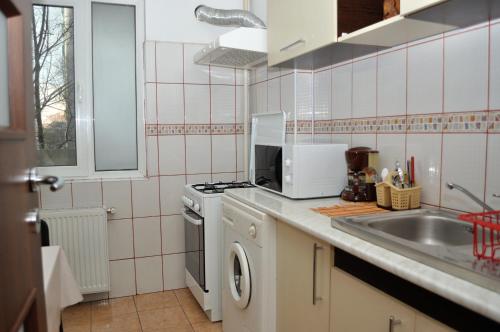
383	194
405	199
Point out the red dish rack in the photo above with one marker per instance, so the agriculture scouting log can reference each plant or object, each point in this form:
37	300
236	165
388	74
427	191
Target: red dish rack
486	227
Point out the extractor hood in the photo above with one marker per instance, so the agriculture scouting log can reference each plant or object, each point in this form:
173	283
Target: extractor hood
239	48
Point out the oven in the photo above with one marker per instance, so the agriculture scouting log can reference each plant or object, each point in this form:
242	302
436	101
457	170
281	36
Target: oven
194	235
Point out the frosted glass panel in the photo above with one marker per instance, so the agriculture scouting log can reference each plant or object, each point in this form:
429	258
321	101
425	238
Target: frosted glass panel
115	106
4	79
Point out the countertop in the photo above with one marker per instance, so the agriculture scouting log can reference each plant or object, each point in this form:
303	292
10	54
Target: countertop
298	213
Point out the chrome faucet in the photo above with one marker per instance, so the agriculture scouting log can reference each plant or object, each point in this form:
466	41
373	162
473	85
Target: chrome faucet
452	186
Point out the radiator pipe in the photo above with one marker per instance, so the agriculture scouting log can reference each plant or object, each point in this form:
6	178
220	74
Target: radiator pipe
228	17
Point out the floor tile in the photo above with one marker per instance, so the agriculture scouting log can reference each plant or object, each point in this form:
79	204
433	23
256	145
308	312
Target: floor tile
106	309
165	318
184	296
76	315
194	313
208	327
156	301
117	323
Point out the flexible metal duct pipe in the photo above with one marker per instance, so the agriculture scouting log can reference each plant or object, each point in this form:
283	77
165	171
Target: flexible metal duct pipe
228	17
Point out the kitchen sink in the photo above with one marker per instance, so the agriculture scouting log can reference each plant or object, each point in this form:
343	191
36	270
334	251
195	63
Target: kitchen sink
433	237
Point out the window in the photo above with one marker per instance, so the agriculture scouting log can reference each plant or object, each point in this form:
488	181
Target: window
88	87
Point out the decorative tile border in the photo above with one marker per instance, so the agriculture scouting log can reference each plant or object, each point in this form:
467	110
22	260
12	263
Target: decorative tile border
342	126
465	122
428	123
195	129
494	122
290	126
368	125
304	126
322	127
391	125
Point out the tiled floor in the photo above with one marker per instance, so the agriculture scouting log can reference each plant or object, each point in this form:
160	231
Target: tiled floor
169	311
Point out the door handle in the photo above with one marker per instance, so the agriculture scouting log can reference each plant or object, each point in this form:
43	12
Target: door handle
35	179
393	322
297	42
33	218
496	195
316	248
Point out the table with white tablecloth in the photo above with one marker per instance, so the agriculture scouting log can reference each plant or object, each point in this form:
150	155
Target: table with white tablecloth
61	288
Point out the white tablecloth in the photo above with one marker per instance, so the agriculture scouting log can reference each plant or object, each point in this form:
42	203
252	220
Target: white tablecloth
61	288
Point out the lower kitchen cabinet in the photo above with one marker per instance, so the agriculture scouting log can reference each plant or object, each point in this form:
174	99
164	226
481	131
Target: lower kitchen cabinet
303	281
357	306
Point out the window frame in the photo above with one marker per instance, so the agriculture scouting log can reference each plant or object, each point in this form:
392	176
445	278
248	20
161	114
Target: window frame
84	111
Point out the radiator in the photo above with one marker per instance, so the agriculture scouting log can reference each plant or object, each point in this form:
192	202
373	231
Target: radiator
83	235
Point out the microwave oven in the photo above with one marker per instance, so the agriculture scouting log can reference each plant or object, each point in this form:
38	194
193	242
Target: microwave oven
300	170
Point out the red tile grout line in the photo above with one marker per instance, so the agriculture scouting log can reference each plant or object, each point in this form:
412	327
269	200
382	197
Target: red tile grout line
71	191
210	110
406	104
133	231
442	133
488	106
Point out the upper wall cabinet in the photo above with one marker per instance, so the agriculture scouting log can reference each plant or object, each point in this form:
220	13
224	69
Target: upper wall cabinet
313	34
296	27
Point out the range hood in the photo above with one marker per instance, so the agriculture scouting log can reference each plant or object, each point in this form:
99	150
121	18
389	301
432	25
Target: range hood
239	48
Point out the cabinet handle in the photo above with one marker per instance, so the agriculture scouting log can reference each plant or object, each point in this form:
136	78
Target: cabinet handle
393	322
297	42
496	195
316	248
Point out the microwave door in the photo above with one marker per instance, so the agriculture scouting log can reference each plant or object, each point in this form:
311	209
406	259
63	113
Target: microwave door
195	246
269	167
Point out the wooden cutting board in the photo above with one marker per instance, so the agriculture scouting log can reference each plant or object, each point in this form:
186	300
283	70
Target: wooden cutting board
350	209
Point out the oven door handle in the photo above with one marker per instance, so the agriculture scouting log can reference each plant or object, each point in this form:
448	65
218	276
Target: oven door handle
192	220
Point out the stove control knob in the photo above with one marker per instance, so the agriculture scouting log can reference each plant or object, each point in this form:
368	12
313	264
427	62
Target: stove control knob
252	231
187	201
197	207
288	178
288	162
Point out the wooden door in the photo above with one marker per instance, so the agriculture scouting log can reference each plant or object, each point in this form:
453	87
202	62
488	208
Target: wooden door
301	274
357	306
22	306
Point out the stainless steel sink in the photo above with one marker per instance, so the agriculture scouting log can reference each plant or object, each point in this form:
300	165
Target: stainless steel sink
433	237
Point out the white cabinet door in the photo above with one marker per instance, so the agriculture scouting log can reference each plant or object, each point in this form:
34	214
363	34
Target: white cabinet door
412	6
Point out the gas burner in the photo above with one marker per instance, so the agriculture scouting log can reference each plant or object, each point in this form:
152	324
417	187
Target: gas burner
219	187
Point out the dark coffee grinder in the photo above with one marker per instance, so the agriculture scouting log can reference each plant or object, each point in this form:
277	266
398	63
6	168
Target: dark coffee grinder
362	163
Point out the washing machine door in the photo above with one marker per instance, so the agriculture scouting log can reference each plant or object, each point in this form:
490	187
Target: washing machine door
238	269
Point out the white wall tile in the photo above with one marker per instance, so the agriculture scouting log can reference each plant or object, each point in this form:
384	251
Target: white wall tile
322	138
194	73
425	78
87	194
198	154
466	71
261	97
120	237
151	113
171	190
199	178
240	77
304	96
240	176
122	278
427	152
493	176
287	85
223	153
170	103
174	274
368	140
273	96
147	236
495	67
222	75
464	158
152	155
342	139
323	95
150	61
197	103
172	155
240	104
223	104
391	82
240	152
273	72
61	199
223	177
342	92
169	62
117	194
172	228
145	200
261	73
149	274
364	88
391	148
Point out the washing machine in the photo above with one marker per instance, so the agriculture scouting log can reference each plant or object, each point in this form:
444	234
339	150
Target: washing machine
249	269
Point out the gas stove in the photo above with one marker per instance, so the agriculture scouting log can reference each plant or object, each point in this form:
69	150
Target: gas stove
219	187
